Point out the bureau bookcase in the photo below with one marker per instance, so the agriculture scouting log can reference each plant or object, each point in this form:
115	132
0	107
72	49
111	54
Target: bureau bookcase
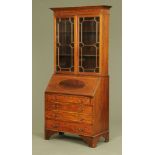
77	95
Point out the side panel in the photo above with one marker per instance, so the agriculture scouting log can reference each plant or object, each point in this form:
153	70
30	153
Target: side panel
105	44
101	107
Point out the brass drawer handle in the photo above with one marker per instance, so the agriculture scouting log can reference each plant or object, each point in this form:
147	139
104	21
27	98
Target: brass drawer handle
52	98
80	129
81	107
55	115
81	119
55	106
55	126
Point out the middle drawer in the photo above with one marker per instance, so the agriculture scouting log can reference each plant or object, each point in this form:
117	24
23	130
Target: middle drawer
70	107
68	116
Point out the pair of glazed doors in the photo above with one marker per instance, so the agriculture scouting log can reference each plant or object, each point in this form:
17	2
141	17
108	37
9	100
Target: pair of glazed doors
77	44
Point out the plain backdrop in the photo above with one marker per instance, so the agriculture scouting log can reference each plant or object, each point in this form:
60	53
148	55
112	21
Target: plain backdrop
15	80
42	37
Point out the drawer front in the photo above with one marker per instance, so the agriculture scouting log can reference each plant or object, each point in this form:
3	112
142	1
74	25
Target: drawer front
81	129
68	116
67	99
70	107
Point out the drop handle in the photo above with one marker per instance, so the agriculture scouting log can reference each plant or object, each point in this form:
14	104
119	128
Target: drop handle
55	106
55	126
81	119
55	116
81	108
80	129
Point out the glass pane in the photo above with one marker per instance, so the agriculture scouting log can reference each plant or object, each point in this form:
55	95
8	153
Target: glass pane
89	44
65	44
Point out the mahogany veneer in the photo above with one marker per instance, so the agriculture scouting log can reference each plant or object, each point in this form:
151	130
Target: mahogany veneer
77	95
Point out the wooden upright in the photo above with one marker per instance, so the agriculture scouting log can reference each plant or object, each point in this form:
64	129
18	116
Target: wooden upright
77	95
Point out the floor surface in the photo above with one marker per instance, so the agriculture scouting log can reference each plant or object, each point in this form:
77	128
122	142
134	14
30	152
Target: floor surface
73	145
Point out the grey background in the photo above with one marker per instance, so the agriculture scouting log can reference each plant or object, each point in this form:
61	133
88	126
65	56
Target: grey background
43	57
43	54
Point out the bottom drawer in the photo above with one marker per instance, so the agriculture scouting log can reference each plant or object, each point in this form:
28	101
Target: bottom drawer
78	128
68	116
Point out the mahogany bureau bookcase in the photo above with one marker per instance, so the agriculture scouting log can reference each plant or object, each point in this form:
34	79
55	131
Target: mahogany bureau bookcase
77	95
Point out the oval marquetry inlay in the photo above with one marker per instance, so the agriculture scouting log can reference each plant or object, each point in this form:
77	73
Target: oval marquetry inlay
72	84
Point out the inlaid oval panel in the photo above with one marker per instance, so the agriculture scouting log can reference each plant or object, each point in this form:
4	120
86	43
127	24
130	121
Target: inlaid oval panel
72	84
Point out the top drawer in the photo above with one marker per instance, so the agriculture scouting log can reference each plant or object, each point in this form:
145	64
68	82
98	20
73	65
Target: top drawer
67	98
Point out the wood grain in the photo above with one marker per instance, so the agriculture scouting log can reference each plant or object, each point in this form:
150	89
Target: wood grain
91	141
91	84
67	98
87	10
70	107
71	127
68	116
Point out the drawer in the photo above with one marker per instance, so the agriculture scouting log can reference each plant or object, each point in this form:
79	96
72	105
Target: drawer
81	129
70	107
68	116
67	98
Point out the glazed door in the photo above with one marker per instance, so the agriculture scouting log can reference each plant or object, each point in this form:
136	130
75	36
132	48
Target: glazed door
89	30
65	44
77	42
